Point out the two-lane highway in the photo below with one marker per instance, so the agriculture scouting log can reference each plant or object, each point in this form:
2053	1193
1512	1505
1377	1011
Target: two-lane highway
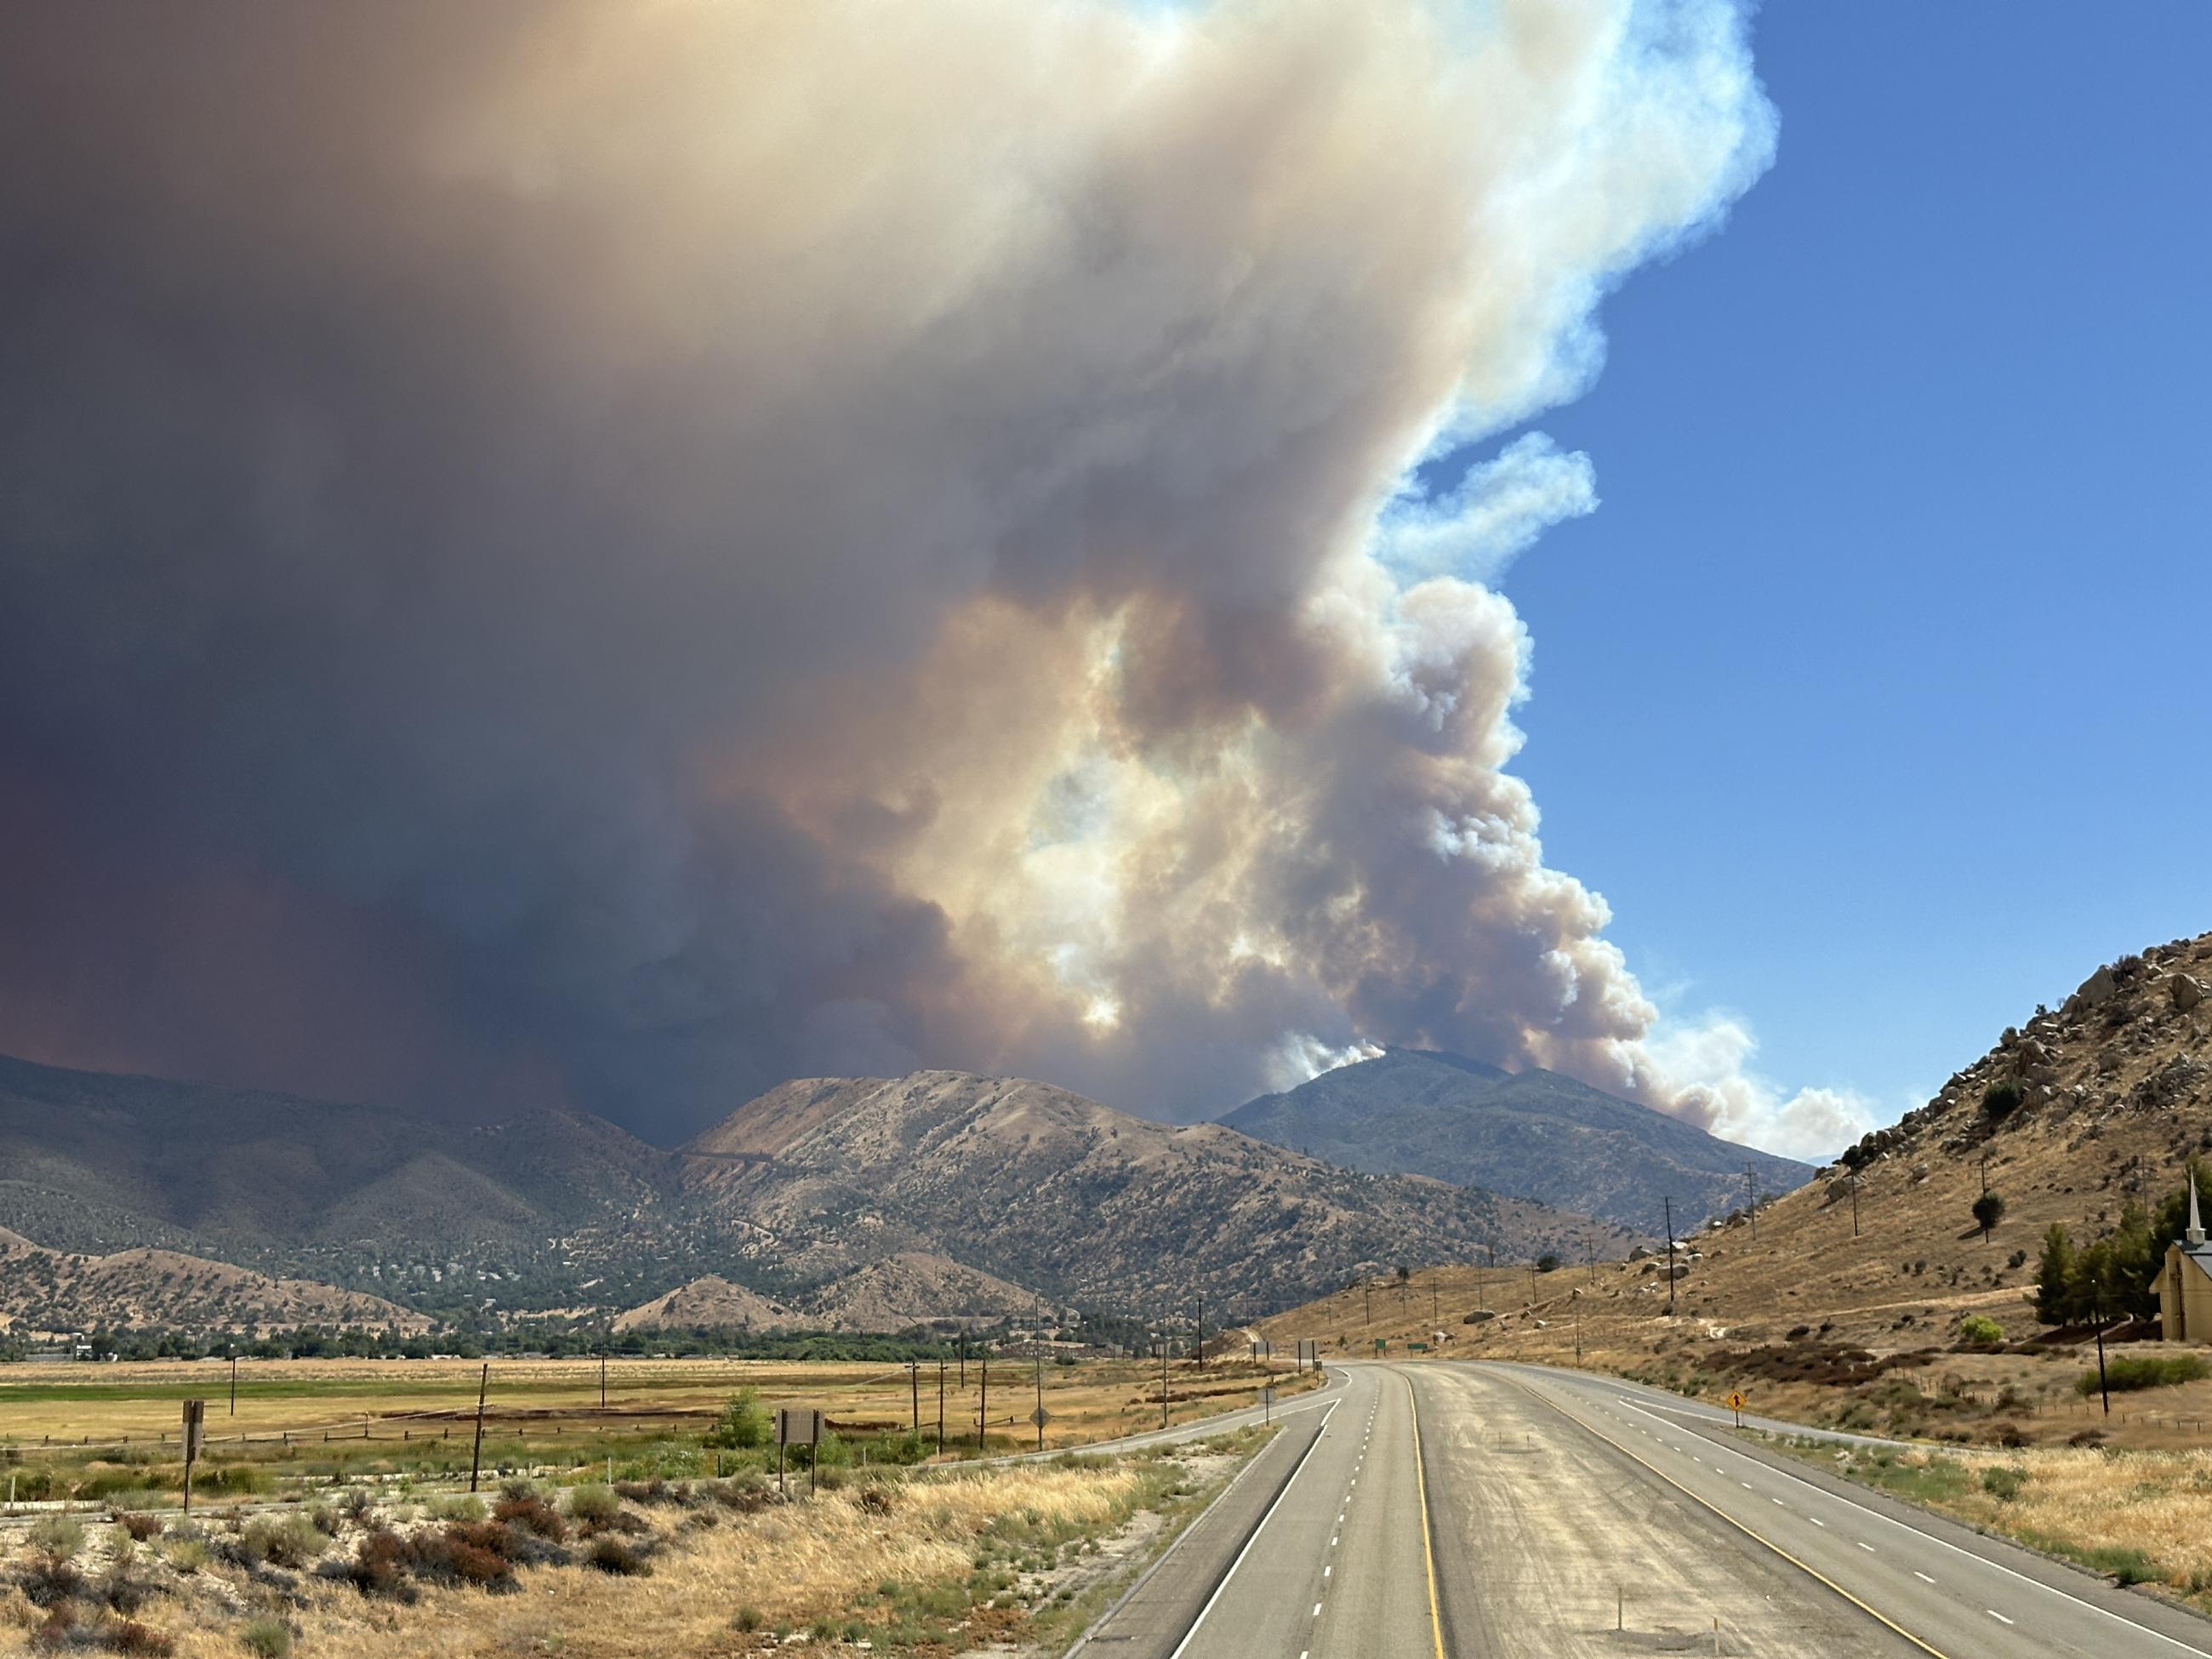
1485	1510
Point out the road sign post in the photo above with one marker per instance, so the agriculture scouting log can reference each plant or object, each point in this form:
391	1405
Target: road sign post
798	1426
1268	1403
195	1431
1736	1403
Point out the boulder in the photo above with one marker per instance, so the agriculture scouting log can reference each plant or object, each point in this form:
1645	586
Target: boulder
2099	988
2186	993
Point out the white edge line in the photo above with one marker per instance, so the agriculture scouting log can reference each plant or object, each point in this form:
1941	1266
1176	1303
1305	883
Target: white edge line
1227	1578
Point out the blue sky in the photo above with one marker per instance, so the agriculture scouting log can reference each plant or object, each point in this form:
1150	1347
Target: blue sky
1873	695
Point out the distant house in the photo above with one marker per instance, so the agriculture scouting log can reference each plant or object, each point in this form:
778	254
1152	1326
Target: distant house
2184	1283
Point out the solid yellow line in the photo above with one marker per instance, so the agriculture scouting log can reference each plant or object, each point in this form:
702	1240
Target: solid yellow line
1760	1538
1428	1548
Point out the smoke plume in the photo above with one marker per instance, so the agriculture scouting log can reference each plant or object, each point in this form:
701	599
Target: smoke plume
620	554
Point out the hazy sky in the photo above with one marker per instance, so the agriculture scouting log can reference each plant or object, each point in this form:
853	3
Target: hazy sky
550	552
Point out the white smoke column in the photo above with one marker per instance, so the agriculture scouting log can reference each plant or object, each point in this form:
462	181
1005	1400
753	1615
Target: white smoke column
764	539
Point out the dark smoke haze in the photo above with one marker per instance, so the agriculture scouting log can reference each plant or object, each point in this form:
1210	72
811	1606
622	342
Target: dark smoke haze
621	553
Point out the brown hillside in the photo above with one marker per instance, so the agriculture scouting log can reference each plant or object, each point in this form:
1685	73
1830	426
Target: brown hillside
711	1302
2117	1095
914	1287
53	1291
1048	1191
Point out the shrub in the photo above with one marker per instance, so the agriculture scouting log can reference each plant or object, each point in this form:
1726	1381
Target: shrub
1989	1210
60	1536
266	1638
743	1423
1980	1330
2005	1482
51	1582
594	1505
187	1554
294	1541
612	1555
2002	1098
140	1526
463	1506
2143	1371
533	1515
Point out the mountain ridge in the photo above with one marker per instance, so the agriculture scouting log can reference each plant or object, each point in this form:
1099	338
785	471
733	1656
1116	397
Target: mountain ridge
1534	1135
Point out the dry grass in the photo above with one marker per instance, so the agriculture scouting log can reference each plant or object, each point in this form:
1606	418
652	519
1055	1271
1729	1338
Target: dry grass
932	1564
2141	1515
1094	1400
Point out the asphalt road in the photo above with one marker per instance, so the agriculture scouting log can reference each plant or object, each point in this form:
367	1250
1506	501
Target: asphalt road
1483	1510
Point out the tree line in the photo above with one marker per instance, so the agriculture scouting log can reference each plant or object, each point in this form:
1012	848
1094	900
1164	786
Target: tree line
2114	1276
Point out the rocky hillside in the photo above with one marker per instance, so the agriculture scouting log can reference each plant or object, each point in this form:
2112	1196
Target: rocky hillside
2069	1117
1060	1194
46	1291
709	1302
373	1199
1533	1134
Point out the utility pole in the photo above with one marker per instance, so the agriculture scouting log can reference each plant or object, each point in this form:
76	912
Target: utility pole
1751	1202
1039	1410
1369	1286
1855	1204
1164	1376
476	1457
234	1381
1985	1172
1201	1330
964	1361
940	1408
2102	1387
1670	1257
983	1410
603	1379
1433	1315
914	1387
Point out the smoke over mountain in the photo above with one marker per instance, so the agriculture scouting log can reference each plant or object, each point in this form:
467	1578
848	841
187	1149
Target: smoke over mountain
631	552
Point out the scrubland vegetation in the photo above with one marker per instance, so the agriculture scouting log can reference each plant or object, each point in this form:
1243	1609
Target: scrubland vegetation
2142	1517
923	1560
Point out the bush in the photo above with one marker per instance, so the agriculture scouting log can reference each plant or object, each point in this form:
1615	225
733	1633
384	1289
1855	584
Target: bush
463	1506
295	1542
2002	1098
1989	1210
140	1526
2143	1371
2005	1482
1980	1330
266	1638
594	1505
60	1536
612	1555
187	1554
744	1425
533	1515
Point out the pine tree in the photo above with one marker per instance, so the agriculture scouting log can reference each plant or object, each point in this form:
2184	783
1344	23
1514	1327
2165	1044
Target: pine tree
2054	1270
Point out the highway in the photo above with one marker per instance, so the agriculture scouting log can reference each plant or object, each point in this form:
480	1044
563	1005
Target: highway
1430	1508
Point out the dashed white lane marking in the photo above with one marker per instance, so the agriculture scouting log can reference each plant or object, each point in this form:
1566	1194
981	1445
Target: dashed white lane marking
1746	1485
1325	1571
1922	1577
1331	1543
1995	1614
1778	1503
1316	1611
1868	1548
1816	1521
